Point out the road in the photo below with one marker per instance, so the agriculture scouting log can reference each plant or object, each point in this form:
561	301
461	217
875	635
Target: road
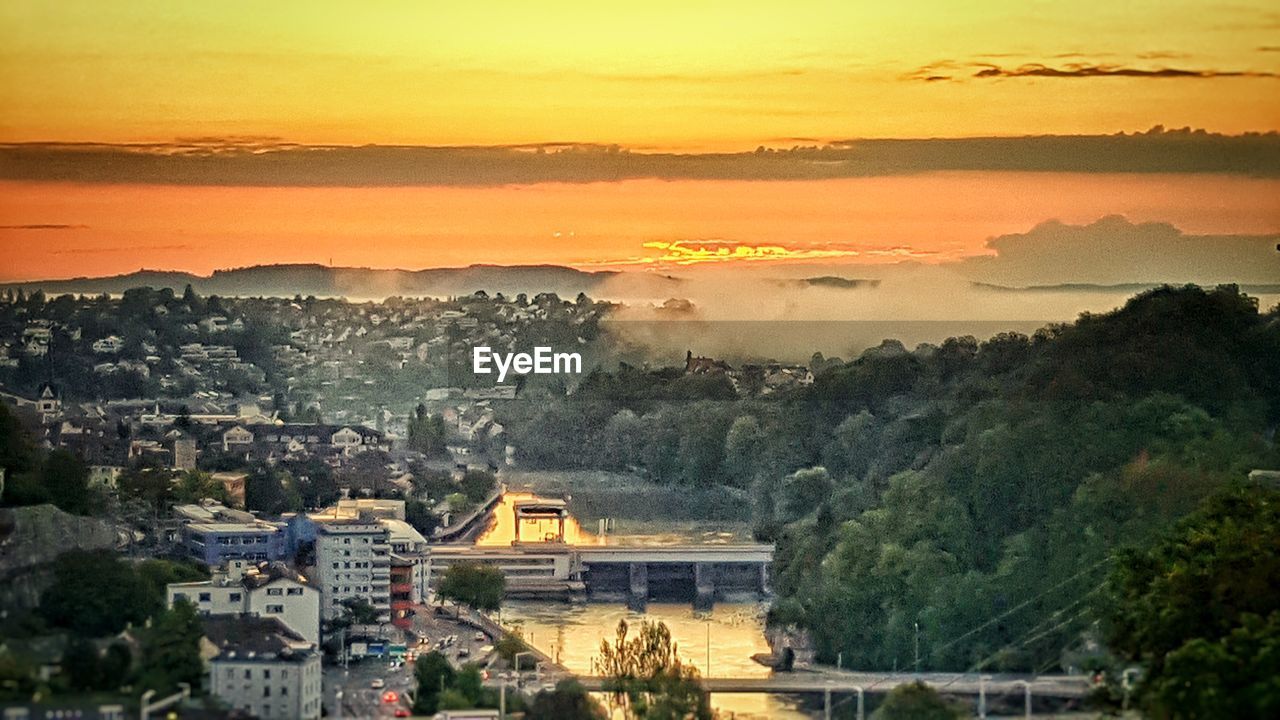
361	700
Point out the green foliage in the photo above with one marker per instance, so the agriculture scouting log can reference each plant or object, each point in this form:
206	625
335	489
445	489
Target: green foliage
115	666
357	611
33	477
1199	610
427	432
569	701
477	586
170	652
419	515
976	489
434	675
477	485
193	486
81	665
271	492
645	677
508	646
916	701
95	593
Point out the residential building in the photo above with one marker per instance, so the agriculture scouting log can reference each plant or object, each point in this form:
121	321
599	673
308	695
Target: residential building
215	543
268	590
261	668
353	560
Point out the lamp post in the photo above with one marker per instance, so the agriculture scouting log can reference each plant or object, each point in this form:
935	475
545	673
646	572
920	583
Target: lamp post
1126	679
516	660
917	648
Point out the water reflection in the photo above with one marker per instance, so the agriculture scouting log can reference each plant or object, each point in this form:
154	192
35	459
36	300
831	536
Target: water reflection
719	643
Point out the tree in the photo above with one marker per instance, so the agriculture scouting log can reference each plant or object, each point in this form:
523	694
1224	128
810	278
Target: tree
265	492
66	480
81	664
646	678
153	486
95	593
193	486
434	675
742	448
915	701
115	666
803	491
427	432
358	611
569	701
170	652
419	515
477	485
479	587
1199	609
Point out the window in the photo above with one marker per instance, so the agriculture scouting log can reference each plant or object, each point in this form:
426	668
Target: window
205	597
179	596
266	691
295	591
275	609
275	591
284	690
234	597
248	674
266	674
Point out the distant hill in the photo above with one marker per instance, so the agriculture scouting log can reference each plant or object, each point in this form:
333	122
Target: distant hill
321	280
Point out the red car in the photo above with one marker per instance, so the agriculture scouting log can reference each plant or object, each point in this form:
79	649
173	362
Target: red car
402	712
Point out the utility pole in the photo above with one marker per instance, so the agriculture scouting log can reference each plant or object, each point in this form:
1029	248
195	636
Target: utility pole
708	647
917	648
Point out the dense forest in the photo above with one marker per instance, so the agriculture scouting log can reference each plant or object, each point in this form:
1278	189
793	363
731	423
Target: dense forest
968	496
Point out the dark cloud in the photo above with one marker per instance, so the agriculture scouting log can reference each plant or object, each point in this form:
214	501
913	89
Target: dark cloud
1114	250
266	162
44	226
1090	70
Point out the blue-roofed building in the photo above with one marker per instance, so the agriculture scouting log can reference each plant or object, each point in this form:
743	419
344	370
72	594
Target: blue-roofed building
216	543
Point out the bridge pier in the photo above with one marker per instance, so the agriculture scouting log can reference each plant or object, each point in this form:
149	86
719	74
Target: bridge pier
705	584
638	587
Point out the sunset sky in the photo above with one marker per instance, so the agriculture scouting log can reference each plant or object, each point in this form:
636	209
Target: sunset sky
194	136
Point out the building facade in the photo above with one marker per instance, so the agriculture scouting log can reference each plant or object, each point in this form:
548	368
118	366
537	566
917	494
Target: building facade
353	560
217	543
268	591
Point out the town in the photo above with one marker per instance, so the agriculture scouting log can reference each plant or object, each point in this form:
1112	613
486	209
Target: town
290	465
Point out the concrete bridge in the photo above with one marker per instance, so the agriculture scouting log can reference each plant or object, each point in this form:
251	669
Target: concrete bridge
1055	686
698	573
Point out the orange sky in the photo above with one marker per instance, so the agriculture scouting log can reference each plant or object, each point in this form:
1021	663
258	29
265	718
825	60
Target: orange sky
662	74
121	228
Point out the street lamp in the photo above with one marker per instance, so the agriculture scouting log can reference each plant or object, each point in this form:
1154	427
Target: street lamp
516	659
917	648
1126	678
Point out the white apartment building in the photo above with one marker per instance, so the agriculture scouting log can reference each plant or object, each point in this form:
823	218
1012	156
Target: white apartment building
269	590
263	670
353	560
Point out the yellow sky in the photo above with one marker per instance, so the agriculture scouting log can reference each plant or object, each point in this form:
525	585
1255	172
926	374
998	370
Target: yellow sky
687	75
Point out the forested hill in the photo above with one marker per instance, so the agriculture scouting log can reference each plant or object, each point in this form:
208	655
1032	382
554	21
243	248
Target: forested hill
977	489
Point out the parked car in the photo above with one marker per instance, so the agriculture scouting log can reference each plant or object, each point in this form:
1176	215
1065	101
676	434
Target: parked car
378	684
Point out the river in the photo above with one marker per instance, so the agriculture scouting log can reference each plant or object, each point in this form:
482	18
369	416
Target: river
719	643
